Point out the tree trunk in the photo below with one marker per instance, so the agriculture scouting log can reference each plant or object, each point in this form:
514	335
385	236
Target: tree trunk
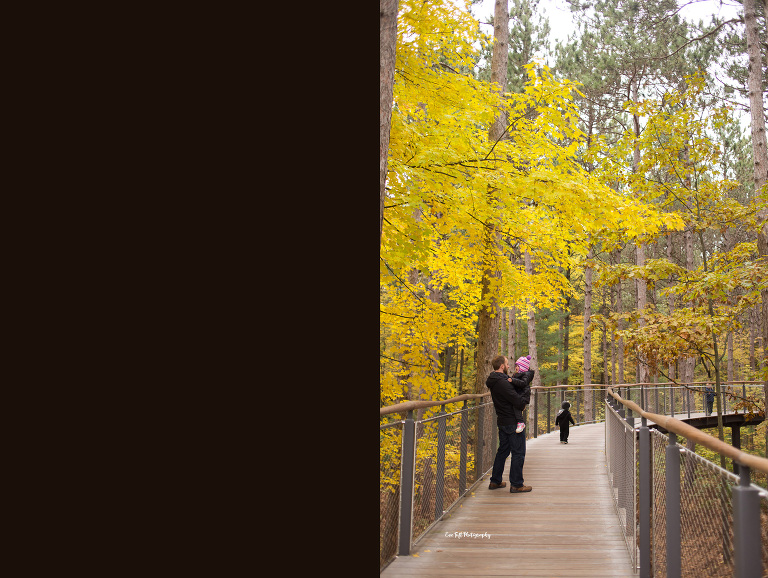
512	334
560	353
620	347
753	331
671	305
604	337
502	329
566	340
731	376
532	328
718	396
387	46
499	61
488	323
690	362
640	284
613	340
566	329
642	301
532	343
588	338
755	85
760	150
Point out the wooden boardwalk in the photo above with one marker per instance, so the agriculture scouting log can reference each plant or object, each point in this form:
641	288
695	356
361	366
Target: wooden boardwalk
567	526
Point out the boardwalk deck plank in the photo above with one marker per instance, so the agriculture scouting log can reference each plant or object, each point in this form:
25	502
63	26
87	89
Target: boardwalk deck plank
567	526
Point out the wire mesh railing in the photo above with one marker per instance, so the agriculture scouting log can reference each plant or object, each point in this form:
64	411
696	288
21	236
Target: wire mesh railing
621	457
390	448
586	406
428	462
435	461
677	400
693	518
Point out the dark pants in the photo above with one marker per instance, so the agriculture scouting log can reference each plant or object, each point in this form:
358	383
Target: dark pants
564	428
709	406
509	443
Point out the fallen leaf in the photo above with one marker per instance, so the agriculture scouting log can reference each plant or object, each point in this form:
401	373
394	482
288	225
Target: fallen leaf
415	555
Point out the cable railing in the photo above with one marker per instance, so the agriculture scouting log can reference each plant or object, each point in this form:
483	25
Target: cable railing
432	453
681	514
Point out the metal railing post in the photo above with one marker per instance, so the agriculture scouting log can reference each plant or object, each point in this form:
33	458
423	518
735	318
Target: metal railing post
672	400
645	499
407	471
673	507
463	450
736	442
744	392
549	413
746	528
440	466
535	413
577	406
480	441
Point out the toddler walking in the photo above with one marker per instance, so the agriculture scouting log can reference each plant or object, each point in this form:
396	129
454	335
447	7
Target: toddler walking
562	419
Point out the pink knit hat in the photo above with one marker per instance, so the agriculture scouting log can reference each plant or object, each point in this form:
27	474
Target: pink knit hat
524	362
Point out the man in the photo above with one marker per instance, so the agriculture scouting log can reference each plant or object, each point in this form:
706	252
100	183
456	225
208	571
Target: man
505	400
710	398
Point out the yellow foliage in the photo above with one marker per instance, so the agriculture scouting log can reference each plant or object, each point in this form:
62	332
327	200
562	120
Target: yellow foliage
458	204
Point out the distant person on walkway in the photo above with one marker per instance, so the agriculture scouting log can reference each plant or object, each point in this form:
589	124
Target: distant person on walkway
562	419
709	395
506	400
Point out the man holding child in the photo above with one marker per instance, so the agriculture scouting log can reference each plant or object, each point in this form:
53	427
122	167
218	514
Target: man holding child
510	396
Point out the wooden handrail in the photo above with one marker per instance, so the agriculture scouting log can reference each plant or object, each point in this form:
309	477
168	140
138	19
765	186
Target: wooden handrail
411	405
710	382
680	428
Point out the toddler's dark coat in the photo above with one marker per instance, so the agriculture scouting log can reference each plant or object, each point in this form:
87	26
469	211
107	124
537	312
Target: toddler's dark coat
563	418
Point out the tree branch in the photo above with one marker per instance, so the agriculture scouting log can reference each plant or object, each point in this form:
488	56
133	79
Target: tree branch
702	37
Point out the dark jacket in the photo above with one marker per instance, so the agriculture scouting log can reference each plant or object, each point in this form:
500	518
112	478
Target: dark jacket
522	384
564	416
506	398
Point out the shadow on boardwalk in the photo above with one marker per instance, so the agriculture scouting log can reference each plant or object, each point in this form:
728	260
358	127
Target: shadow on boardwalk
567	526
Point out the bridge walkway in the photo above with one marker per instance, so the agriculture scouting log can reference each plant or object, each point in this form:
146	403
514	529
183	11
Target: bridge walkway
567	526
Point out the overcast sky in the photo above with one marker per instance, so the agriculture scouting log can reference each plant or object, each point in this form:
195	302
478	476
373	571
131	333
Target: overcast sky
559	14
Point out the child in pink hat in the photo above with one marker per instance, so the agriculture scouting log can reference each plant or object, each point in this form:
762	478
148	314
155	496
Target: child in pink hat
522	365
